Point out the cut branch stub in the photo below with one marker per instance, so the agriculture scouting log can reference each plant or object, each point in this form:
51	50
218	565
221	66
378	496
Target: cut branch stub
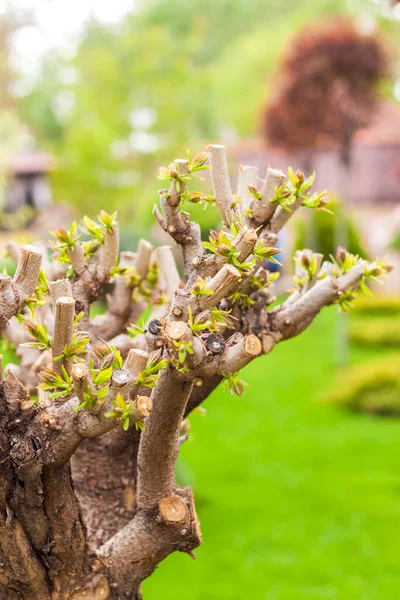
248	175
262	209
143	257
173	509
110	251
169	278
63	330
120	379
143	406
251	345
79	371
244	243
268	343
77	258
239	355
221	285
14	291
28	269
80	376
60	288
220	179
176	330
136	361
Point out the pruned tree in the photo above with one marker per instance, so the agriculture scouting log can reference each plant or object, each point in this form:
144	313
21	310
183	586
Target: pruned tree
92	419
326	88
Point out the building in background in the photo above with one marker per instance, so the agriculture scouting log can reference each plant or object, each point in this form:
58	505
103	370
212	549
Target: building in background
374	179
28	183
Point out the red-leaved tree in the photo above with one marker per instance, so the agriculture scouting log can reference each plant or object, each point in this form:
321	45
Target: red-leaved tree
326	88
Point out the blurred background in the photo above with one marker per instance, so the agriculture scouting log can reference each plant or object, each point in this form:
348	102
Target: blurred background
298	482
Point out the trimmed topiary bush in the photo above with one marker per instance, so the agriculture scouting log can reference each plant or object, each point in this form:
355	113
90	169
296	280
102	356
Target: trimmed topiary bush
376	332
378	305
372	387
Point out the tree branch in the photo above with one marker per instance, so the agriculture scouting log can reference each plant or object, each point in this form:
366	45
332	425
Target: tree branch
220	179
15	291
156	461
248	175
263	209
292	319
186	233
63	330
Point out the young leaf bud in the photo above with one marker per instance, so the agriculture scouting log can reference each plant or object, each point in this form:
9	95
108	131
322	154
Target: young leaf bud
341	254
200	159
305	261
253	191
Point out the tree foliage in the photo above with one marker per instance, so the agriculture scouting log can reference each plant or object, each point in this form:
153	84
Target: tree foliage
327	86
108	112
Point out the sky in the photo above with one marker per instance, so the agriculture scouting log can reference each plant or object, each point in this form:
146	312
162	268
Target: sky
56	24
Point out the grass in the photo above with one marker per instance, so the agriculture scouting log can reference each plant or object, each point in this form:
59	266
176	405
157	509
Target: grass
298	500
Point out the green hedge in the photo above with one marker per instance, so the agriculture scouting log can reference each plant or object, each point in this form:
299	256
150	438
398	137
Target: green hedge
378	305
372	387
376	332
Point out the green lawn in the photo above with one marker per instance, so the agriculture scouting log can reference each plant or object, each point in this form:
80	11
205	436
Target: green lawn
298	500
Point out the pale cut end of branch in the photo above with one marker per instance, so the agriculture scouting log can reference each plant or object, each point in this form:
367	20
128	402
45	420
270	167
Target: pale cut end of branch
79	371
173	510
63	330
176	330
142	406
221	285
143	257
252	345
169	278
220	178
248	175
120	379
60	288
183	165
263	209
80	376
136	361
28	269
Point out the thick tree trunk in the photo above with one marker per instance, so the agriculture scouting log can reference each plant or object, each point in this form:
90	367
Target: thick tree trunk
104	471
